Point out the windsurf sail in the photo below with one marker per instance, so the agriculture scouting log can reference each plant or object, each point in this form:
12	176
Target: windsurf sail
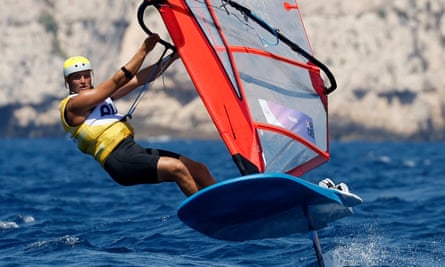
253	67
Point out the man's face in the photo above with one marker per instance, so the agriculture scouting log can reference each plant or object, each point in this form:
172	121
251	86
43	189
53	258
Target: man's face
79	81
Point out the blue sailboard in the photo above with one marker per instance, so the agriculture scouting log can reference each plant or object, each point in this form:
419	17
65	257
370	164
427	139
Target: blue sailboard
264	206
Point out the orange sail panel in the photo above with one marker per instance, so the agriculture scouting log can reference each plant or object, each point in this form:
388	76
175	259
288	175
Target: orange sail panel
267	102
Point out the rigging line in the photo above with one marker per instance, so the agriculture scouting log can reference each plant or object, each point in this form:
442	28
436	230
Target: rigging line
254	17
157	69
160	66
223	7
245	22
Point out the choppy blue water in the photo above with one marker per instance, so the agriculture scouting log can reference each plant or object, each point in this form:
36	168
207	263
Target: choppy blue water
59	208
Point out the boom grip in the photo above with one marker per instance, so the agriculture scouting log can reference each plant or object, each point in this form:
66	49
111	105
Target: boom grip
140	15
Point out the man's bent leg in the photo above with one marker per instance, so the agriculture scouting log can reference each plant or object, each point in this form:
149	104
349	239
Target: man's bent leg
199	172
171	169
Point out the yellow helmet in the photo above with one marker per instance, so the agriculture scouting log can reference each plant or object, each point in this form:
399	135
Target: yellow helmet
76	64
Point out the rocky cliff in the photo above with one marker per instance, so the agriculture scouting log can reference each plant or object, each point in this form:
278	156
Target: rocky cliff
387	57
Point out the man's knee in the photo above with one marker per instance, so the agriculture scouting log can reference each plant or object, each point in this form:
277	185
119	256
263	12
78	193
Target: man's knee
172	169
178	168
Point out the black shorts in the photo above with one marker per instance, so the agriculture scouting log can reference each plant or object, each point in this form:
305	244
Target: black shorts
131	164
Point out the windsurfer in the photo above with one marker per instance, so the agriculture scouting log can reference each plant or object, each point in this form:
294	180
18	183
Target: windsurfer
90	116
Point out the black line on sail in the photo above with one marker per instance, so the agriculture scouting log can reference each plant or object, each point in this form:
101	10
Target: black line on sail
296	48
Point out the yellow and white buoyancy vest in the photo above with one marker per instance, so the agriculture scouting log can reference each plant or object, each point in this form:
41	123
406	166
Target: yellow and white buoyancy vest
101	132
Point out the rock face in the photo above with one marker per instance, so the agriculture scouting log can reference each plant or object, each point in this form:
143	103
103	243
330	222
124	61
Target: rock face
387	56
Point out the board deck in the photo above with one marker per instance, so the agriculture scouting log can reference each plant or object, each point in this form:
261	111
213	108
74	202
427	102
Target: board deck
264	206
